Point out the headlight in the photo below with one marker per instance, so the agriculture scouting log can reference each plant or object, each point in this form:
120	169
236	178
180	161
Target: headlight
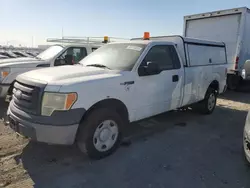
57	101
4	72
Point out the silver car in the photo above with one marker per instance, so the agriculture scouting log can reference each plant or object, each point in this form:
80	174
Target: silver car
246	138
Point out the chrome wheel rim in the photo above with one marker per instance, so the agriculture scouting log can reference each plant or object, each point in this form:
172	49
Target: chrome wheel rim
105	135
211	102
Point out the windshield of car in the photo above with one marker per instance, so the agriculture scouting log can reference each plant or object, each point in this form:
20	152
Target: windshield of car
50	52
116	56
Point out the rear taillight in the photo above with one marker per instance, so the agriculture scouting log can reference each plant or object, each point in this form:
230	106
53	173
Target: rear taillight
236	62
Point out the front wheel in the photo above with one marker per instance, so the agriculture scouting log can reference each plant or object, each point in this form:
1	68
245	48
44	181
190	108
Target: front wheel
100	134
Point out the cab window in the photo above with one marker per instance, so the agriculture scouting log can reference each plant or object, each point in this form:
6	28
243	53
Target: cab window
164	55
71	56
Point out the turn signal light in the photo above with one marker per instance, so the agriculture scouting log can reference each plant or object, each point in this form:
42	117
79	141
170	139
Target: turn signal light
70	100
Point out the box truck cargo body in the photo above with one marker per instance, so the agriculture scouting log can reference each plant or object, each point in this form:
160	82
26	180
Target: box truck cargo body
231	27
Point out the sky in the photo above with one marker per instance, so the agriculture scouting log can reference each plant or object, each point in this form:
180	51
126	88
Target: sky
31	22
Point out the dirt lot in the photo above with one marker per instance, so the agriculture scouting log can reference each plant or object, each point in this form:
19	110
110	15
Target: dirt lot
175	149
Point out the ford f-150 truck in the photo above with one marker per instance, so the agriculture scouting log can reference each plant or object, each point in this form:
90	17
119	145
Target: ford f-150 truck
92	103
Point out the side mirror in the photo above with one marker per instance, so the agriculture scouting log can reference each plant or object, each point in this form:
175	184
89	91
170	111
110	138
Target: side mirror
150	69
153	68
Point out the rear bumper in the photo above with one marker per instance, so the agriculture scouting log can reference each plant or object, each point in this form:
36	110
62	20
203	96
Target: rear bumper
4	90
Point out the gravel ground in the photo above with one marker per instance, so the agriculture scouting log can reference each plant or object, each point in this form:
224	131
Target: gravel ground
176	149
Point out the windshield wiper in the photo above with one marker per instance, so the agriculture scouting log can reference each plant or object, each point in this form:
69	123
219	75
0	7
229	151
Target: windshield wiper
98	65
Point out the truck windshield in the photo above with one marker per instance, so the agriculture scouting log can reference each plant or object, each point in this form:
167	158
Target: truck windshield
50	52
117	56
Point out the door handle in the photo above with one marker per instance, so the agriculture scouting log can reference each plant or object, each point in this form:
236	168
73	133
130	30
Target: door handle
175	78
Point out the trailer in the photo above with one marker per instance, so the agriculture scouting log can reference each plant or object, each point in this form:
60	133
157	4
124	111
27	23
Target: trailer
230	26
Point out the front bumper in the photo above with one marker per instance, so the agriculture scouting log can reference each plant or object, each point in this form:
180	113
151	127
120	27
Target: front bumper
4	90
56	129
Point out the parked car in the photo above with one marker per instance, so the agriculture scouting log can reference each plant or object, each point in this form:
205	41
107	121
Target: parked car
230	26
8	54
92	102
22	54
247	69
3	57
246	139
32	54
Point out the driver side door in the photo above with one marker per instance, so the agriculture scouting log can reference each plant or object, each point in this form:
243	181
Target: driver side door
162	91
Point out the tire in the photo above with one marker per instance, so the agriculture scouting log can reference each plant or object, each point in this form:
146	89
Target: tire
207	106
100	134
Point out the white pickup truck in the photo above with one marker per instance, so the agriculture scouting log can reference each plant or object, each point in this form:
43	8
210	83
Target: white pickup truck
92	102
55	55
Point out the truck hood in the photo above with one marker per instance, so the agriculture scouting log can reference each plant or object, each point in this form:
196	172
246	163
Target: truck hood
19	61
68	74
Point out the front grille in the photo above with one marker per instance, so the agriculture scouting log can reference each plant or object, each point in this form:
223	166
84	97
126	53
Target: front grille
26	97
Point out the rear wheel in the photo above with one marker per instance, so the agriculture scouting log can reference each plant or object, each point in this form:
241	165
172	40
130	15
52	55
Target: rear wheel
100	134
207	106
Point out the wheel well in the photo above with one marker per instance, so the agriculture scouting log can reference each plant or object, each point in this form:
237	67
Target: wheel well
114	104
214	85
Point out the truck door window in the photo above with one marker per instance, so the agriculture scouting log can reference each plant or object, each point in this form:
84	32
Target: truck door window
71	56
164	55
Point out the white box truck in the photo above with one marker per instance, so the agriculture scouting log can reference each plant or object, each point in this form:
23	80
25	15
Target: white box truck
231	27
